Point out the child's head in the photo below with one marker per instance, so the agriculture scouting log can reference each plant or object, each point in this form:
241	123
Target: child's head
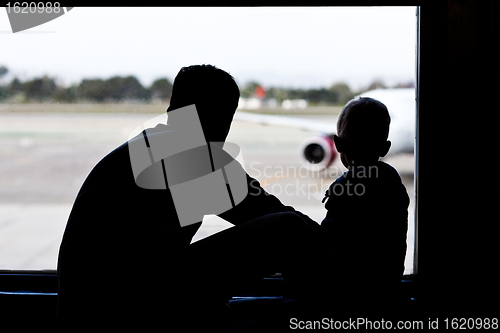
362	131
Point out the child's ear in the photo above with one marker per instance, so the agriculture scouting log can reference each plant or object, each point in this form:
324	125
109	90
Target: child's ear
385	148
338	143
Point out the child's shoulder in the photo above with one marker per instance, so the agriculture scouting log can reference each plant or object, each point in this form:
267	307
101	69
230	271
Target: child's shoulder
380	171
386	176
391	182
387	170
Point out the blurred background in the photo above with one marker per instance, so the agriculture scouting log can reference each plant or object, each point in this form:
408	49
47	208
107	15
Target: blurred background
73	89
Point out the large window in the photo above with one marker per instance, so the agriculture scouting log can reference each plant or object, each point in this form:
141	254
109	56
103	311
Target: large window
60	111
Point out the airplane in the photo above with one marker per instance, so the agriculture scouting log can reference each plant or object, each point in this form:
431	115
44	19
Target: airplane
318	152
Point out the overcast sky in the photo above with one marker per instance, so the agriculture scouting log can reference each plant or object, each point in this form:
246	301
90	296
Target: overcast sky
289	47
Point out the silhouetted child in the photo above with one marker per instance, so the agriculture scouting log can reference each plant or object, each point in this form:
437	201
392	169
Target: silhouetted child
367	207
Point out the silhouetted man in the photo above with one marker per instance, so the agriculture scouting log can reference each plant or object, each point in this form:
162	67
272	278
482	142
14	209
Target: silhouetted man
125	259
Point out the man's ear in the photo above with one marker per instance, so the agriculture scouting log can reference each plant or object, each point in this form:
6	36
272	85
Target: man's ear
385	148
338	143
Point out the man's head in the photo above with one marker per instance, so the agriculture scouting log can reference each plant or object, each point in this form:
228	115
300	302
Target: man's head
362	131
215	94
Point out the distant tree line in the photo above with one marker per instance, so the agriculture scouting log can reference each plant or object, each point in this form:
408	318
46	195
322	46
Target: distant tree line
114	89
337	94
128	88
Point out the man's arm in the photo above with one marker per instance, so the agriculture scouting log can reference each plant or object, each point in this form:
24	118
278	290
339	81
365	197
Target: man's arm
257	203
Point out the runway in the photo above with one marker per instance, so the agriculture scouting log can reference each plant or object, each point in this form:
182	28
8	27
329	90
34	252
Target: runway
45	157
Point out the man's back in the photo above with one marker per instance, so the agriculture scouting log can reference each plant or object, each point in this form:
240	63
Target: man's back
116	243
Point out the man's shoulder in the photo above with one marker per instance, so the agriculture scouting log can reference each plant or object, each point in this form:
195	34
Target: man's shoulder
112	167
118	159
115	158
